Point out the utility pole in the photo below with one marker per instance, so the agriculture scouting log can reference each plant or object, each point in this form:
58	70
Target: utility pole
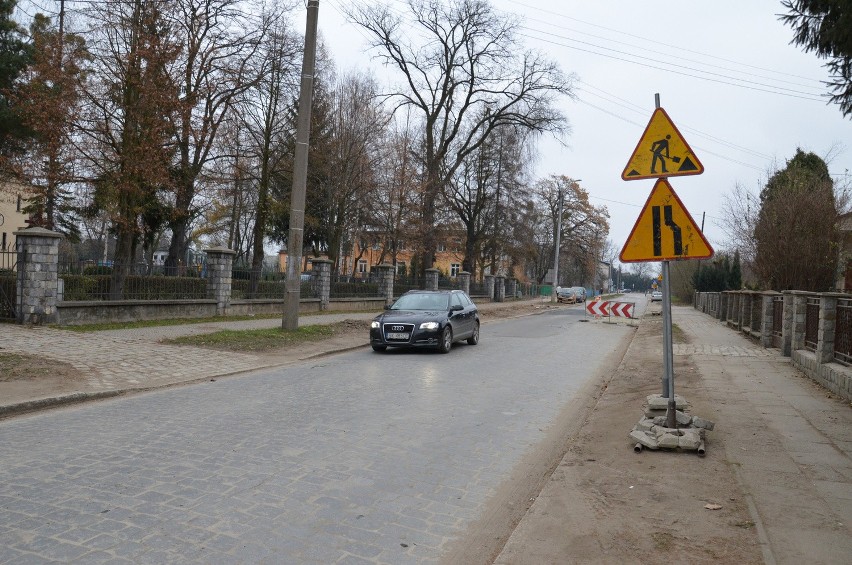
295	239
556	253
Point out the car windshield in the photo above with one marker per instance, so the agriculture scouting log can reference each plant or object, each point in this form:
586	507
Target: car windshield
421	302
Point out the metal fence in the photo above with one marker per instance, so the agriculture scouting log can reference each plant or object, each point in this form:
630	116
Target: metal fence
528	289
756	305
8	283
811	323
843	332
477	289
777	315
402	284
267	283
343	286
86	281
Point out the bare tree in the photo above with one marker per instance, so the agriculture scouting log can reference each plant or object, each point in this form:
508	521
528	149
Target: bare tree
126	128
262	114
465	73
219	39
358	127
584	226
393	198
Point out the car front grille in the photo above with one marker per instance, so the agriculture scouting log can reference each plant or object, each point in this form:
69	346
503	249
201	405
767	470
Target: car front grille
398	332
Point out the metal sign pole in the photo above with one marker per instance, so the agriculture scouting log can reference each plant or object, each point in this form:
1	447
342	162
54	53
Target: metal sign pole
668	364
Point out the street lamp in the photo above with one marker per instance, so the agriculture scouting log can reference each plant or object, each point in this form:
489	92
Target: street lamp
558	236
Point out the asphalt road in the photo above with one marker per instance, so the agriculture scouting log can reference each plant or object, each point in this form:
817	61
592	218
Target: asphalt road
354	458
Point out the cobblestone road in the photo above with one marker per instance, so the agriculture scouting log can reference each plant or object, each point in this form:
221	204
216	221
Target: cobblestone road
356	458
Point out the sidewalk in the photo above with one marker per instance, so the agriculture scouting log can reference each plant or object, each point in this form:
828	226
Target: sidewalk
780	456
114	362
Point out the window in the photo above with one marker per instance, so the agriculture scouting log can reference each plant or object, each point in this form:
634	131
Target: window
442	247
401	266
362	266
454	269
456	300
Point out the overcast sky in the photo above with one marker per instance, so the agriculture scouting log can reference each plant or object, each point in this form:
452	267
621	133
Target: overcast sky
742	97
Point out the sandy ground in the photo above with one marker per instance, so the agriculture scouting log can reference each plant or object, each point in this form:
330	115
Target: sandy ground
616	506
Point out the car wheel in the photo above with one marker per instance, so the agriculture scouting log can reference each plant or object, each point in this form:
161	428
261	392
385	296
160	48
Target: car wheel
474	339
379	348
446	340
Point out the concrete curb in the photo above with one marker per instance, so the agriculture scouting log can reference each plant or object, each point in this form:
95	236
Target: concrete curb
32	406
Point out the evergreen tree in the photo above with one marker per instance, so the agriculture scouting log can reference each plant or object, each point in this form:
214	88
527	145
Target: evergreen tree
825	28
15	55
735	276
796	232
49	103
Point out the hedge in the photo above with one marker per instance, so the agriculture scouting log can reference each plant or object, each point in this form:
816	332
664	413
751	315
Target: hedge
136	287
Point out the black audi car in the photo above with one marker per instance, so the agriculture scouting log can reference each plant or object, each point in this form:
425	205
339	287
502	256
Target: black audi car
426	318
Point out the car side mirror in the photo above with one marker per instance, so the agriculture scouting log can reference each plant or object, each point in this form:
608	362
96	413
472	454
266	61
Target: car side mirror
456	308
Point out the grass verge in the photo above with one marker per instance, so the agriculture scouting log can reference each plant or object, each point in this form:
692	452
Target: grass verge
82	328
258	340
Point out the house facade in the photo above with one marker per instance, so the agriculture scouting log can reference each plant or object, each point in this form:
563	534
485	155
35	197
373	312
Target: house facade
365	254
12	217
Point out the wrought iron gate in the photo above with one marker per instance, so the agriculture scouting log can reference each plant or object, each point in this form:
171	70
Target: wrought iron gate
9	268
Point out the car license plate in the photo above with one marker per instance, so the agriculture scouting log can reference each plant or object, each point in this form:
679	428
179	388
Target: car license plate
397	335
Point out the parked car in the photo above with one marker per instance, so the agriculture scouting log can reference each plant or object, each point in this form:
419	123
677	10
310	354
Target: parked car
656	296
427	318
579	293
570	295
565	295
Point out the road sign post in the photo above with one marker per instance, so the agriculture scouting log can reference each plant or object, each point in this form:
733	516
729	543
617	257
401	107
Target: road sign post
664	230
668	361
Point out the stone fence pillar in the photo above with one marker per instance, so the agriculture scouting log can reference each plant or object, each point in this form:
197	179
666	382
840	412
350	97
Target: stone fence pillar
432	279
489	286
787	324
220	262
722	314
827	321
38	275
767	318
464	281
322	281
384	276
512	288
499	288
800	308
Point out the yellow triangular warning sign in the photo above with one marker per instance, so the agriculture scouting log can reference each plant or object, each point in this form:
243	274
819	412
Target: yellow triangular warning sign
665	230
661	152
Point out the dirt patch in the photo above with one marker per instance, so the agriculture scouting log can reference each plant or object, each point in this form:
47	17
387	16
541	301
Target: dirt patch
30	377
606	504
20	367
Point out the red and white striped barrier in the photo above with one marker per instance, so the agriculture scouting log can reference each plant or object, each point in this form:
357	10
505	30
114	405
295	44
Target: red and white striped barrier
602	308
623	309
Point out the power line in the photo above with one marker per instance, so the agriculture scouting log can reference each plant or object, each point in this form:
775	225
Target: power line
759	86
679	48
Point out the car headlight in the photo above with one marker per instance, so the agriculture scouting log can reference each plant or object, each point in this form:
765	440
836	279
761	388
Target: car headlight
374	324
429	326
